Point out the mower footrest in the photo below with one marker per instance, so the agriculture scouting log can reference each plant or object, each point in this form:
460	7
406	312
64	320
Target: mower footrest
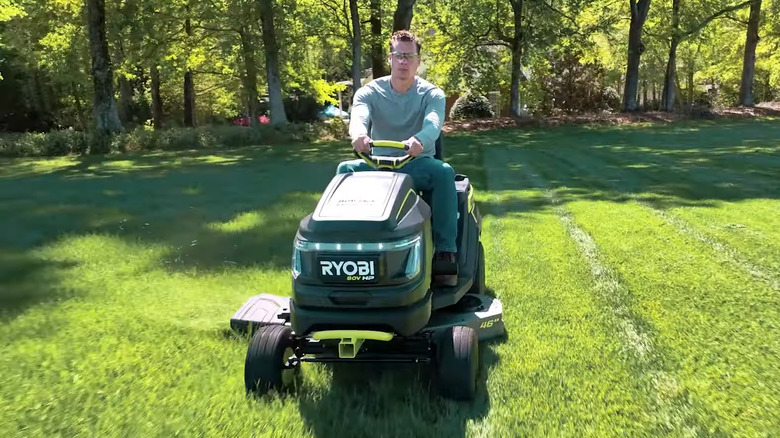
261	310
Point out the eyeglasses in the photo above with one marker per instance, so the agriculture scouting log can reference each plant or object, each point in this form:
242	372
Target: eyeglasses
407	56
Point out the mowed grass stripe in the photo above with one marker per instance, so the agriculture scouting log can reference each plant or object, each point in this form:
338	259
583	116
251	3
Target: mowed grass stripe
560	372
723	250
739	149
651	172
761	250
667	411
717	327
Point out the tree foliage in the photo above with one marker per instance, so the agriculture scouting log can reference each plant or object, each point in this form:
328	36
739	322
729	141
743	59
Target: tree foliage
178	62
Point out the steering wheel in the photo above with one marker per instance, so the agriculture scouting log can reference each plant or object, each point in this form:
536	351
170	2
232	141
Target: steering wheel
380	162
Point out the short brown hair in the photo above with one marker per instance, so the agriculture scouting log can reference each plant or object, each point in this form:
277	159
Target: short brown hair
405	35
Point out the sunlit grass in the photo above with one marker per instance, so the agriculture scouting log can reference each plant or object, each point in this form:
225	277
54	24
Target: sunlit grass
635	265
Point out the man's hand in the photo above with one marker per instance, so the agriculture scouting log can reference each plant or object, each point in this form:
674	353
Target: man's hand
415	147
362	144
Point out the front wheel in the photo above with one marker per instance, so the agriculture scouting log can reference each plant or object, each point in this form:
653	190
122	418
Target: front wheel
267	364
458	363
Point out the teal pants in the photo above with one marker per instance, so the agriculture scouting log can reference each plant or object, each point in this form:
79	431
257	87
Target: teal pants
438	178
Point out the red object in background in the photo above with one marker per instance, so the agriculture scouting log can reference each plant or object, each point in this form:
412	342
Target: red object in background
244	120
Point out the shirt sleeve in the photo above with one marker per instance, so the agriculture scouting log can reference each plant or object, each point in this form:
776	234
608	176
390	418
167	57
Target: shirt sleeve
361	113
432	123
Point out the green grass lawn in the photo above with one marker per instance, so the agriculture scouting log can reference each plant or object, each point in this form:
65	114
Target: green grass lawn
639	269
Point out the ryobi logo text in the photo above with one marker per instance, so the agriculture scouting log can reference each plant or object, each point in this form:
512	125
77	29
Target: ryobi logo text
361	270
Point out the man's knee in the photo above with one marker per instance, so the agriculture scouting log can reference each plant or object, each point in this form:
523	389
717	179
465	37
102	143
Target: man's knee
344	167
349	166
444	172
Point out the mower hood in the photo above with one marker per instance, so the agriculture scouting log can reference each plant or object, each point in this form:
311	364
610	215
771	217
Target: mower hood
373	204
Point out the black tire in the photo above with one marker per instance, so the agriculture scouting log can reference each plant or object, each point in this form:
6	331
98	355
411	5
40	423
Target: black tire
479	286
458	363
265	367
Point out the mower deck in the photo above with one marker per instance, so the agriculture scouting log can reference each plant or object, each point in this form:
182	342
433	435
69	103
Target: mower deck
480	312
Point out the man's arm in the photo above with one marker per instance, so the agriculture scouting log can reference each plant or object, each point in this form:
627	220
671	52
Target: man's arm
361	113
433	121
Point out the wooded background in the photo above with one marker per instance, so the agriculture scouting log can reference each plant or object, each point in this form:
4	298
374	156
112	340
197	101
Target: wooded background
109	66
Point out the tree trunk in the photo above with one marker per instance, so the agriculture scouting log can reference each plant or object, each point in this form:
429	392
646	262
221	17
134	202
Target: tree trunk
377	44
250	81
402	19
689	78
517	59
749	61
655	95
668	95
639	10
276	102
104	108
356	41
679	88
157	106
644	95
189	99
189	85
125	101
82	124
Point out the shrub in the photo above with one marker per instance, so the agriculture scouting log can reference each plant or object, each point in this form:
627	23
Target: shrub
69	142
54	143
575	87
335	128
301	108
471	106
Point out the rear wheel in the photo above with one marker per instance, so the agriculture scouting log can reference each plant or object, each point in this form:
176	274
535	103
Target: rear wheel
479	276
266	367
458	363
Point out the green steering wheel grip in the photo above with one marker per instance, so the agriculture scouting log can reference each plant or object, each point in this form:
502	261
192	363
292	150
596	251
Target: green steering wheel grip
392	163
390	144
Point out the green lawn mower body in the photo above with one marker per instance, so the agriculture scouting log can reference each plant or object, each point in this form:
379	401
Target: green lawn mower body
361	289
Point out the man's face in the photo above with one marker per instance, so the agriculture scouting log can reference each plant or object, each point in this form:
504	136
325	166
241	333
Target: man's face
404	60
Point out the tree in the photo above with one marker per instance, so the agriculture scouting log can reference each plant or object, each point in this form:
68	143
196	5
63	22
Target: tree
104	108
749	62
404	11
639	11
677	36
356	41
189	86
377	42
275	101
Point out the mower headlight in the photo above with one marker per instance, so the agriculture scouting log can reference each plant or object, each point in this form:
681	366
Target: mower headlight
395	245
413	265
296	262
412	244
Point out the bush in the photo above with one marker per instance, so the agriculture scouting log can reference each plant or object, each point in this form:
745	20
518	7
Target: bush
471	106
574	87
54	143
69	142
301	108
333	129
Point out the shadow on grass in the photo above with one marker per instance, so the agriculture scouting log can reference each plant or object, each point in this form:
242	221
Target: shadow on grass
393	400
262	237
208	214
26	281
241	207
688	164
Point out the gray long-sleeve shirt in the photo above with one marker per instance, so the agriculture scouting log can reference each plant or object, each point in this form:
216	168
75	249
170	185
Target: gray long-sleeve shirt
391	115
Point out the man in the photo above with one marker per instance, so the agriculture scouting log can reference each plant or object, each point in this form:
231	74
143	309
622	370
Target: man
404	107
